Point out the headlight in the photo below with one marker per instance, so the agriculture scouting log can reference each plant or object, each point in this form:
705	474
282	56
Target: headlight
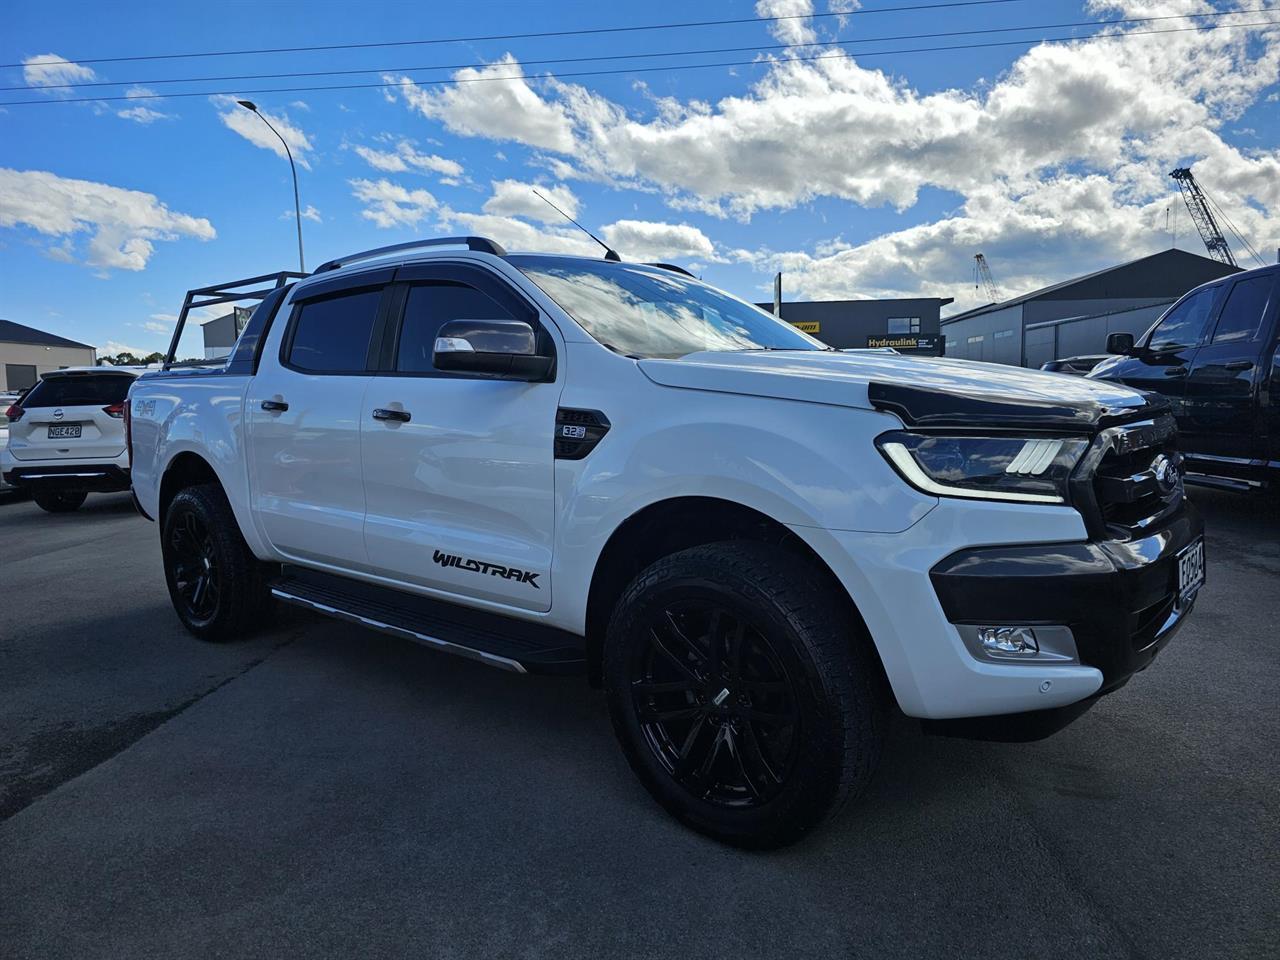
1028	470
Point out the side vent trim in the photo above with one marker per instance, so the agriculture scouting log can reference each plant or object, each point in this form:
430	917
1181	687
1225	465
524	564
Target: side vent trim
578	432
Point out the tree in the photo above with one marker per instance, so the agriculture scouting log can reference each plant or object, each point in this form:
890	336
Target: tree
126	359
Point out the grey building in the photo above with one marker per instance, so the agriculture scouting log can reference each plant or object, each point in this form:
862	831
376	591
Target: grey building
1074	317
26	352
908	325
220	334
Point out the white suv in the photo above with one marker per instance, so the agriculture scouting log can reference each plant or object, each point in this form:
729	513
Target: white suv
67	437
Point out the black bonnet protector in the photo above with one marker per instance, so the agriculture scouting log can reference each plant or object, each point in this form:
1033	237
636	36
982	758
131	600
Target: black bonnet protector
949	409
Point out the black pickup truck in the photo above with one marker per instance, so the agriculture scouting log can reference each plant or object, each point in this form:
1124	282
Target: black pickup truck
1214	355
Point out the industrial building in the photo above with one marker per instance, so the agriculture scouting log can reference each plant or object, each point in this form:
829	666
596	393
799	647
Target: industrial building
909	326
1074	317
220	334
26	352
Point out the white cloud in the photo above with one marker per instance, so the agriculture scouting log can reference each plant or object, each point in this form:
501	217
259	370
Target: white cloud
501	110
122	224
513	198
308	213
300	105
645	240
49	69
516	234
791	30
1057	166
140	114
160	323
392	205
243	122
404	158
113	347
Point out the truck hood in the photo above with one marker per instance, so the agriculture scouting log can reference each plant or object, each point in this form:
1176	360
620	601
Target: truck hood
921	391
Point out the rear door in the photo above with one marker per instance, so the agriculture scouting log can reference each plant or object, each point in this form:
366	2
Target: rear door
72	415
303	410
1221	409
460	495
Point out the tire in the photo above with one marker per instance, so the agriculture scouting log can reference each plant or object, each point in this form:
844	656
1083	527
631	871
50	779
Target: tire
61	501
792	725
218	587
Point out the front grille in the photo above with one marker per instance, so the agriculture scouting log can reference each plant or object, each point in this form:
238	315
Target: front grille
1137	477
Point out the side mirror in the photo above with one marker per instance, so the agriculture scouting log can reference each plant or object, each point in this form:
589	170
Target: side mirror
506	349
1121	343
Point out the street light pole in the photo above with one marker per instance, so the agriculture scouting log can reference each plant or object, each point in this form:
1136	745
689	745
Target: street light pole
297	206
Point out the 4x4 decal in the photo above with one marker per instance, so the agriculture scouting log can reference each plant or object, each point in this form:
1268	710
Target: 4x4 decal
479	566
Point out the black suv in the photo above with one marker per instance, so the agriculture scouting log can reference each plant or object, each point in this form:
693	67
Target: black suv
1213	354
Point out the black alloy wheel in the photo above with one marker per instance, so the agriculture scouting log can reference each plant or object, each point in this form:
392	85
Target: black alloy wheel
744	691
218	587
197	575
716	705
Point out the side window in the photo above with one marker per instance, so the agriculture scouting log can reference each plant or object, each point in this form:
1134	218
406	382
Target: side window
1242	313
428	306
1184	325
332	335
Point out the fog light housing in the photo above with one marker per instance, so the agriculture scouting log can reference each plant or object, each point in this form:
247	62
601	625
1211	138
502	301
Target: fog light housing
1009	641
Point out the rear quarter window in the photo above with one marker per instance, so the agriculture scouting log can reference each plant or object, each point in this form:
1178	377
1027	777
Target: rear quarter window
332	335
78	391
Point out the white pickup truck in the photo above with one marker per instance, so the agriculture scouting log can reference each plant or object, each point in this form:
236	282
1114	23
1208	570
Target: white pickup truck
756	544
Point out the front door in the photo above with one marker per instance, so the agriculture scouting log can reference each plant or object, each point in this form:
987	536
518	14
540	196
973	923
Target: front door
1222	415
459	470
303	410
1164	360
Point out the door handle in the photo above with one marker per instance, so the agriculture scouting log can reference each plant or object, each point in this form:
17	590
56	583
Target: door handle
395	416
1176	372
1239	365
275	405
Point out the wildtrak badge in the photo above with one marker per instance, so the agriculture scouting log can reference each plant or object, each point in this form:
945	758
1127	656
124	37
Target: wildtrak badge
479	566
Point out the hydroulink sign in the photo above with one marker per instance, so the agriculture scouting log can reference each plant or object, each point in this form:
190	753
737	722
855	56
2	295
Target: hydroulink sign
909	341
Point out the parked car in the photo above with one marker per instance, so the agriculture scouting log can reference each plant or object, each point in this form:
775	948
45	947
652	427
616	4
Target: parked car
7	400
1213	355
756	543
1077	366
67	437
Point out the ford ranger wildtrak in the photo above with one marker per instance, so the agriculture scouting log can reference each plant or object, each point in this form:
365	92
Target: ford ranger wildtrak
757	545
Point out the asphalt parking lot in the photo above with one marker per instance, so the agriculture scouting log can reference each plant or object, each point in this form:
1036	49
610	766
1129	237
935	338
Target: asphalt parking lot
325	790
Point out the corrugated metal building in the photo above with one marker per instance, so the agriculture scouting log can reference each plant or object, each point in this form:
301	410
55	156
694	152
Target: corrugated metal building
862	323
1073	318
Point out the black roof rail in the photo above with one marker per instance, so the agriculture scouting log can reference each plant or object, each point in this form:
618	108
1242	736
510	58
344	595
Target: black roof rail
482	244
672	267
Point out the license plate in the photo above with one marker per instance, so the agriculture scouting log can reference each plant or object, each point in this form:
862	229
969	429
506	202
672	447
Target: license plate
1190	570
65	431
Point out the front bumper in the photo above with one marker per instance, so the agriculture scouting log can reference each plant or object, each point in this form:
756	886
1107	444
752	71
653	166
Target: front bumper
1120	598
933	671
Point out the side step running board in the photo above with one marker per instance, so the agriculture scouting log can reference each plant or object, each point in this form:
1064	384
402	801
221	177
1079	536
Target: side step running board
496	641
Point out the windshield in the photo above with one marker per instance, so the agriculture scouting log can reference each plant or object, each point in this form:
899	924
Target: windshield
645	311
78	390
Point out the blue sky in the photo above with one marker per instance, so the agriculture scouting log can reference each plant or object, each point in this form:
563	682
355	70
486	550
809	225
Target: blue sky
855	175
